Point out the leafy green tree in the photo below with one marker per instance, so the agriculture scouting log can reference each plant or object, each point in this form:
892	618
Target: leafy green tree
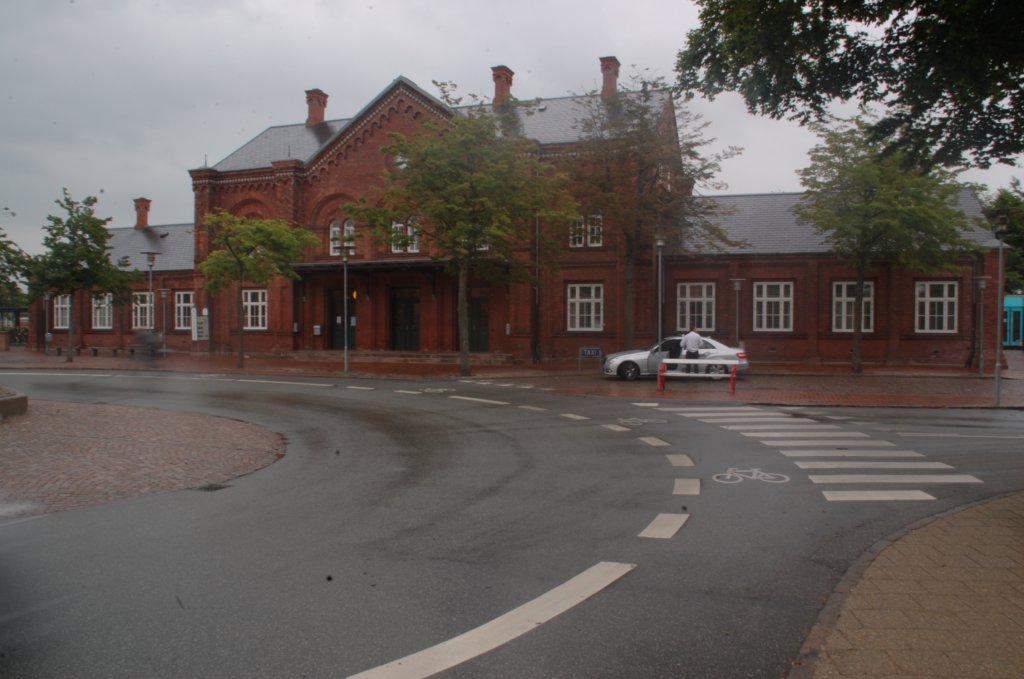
949	74
77	258
637	166
253	251
473	187
871	209
12	271
1011	201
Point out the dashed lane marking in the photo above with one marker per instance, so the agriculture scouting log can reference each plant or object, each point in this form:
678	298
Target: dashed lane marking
807	434
503	629
749	420
711	409
654	441
408	391
534	408
664	526
572	416
486	401
876	495
686	487
358	388
894	478
826	442
781	425
680	460
615	427
870	464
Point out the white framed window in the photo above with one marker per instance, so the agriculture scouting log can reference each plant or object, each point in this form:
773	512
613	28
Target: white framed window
773	307
587	232
335	238
254	309
183	303
935	307
142	311
406	237
61	312
696	306
585	308
349	236
103	312
843	295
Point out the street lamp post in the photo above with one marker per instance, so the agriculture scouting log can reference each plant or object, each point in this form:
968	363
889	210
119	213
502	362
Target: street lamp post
999	231
163	322
150	261
737	284
660	244
982	284
346	251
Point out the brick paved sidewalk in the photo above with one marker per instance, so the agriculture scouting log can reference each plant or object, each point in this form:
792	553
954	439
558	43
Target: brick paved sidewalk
946	599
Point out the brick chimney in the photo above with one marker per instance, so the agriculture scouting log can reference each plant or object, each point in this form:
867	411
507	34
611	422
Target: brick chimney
502	84
610	71
317	101
142	212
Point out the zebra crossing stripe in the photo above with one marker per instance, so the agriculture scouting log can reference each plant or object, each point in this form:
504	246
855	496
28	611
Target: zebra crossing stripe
894	478
876	495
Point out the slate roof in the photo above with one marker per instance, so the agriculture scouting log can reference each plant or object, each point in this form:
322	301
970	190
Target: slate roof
766	224
547	121
175	244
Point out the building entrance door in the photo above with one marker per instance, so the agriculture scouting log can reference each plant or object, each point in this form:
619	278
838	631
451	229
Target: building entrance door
405	319
339	324
479	318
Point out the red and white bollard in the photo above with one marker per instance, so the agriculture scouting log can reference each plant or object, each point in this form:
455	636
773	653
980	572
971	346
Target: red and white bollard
732	380
661	378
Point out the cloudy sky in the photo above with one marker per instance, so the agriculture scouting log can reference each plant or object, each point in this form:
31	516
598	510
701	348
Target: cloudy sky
120	98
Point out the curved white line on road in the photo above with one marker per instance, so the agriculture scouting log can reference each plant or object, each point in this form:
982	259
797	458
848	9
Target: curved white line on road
473	399
503	629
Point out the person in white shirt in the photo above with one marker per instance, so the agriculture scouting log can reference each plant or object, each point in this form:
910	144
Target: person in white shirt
691	348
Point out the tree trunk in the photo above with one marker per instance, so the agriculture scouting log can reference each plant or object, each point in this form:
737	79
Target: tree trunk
463	314
858	322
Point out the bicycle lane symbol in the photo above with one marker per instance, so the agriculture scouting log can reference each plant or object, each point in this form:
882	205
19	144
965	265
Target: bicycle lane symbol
736	475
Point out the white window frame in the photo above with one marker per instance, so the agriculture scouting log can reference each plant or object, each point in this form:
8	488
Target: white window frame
584	307
61	312
695	306
773	306
142	311
936	307
348	235
254	309
103	311
184	301
843	298
335	238
406	237
587	232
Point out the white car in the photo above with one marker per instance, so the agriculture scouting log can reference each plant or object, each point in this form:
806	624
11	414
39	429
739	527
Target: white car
629	365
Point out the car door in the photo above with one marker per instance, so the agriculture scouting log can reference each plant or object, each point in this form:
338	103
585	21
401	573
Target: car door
668	348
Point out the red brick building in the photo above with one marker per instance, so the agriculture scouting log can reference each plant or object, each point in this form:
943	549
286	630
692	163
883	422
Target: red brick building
781	293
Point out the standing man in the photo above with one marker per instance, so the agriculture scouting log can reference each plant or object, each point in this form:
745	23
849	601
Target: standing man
691	348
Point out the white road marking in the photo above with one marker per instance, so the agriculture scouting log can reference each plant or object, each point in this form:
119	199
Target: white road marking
686	487
807	434
571	416
875	495
780	425
408	391
534	408
907	479
664	526
741	420
646	405
680	460
871	464
710	409
616	427
360	388
958	436
822	442
290	384
850	453
480	400
502	629
653	441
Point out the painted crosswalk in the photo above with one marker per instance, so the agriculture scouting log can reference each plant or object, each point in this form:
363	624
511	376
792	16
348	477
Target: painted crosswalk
834	454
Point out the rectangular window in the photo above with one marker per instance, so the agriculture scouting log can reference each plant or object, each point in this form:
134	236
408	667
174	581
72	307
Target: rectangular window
696	306
773	307
103	312
61	312
585	307
254	308
142	311
935	310
843	294
183	303
406	237
587	232
335	239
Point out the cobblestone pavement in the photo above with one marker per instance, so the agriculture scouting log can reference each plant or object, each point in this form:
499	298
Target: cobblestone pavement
945	598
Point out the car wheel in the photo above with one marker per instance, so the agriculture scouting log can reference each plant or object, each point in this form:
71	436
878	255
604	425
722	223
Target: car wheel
717	372
629	371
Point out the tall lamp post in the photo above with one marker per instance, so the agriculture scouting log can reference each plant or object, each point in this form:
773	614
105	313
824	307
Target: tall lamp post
659	242
346	251
981	325
999	231
150	261
163	322
737	284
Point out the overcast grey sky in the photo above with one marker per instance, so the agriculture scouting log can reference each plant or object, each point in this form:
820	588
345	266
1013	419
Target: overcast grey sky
125	96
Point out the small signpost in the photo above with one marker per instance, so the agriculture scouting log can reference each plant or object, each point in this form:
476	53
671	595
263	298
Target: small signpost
587	352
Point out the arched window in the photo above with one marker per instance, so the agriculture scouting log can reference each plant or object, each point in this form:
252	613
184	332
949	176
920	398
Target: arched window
334	238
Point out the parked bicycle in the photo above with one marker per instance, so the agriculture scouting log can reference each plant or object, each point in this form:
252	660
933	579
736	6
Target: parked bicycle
735	475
